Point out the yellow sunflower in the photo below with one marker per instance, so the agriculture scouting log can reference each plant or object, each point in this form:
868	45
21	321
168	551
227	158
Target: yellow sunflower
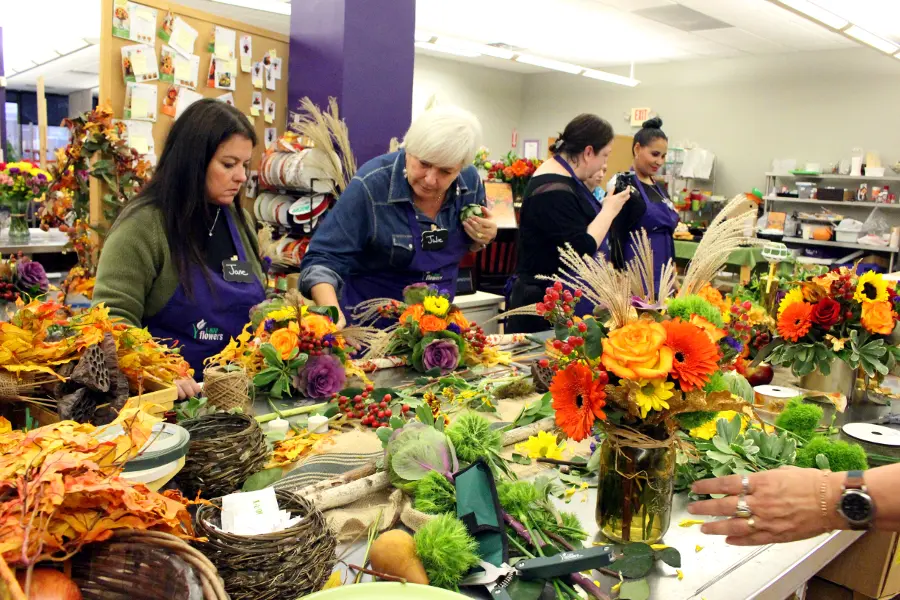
871	287
652	395
792	297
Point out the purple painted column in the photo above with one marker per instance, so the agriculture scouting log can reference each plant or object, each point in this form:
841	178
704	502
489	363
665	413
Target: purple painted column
2	102
361	52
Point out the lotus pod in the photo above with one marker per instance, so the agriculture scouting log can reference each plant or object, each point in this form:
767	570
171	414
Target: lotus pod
78	406
118	381
470	210
542	377
58	389
119	387
91	370
104	415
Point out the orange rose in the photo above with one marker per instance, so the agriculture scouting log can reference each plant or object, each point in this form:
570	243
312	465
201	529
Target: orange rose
318	325
877	317
457	317
429	323
414	312
285	341
714	333
713	296
637	351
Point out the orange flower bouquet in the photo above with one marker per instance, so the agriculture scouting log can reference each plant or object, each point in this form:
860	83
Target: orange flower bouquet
513	170
837	316
630	371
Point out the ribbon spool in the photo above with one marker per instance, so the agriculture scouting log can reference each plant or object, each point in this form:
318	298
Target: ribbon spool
306	170
773	398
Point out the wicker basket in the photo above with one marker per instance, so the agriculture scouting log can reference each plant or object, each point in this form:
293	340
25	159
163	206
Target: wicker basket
145	565
225	450
284	565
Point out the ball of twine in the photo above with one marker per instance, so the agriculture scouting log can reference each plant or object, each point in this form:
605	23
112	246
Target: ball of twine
227	389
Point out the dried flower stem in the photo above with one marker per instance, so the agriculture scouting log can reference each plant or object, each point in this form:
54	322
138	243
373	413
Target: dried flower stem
377	574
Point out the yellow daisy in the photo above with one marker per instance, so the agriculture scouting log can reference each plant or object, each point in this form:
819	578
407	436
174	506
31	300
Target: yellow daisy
792	297
542	445
436	305
652	395
285	313
871	287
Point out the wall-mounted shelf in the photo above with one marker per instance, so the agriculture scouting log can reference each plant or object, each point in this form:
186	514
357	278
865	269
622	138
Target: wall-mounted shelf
805	242
835	177
851	203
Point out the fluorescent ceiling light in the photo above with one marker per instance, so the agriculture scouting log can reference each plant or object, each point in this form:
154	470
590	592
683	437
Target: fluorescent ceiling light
547	63
858	33
44	55
423	36
816	12
273	6
467	46
611	77
71	46
446	50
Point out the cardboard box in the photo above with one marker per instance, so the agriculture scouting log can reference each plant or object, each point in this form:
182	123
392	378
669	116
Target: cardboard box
819	589
869	566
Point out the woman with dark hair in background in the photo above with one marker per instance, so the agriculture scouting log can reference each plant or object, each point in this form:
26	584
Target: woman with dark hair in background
182	259
649	207
559	208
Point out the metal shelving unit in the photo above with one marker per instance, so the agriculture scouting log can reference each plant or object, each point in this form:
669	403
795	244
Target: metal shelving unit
851	204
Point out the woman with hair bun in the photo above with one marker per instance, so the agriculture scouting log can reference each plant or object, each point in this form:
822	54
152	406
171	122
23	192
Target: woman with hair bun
560	208
649	208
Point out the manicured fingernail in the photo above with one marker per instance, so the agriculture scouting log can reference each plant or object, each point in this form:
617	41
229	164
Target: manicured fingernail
704	528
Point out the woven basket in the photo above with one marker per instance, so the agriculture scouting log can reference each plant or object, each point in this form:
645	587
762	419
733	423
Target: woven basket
276	566
145	565
225	450
227	389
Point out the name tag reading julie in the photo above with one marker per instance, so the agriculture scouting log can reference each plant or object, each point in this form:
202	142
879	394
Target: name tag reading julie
237	271
435	239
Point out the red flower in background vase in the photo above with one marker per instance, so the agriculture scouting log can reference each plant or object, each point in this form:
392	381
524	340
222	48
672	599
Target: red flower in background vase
826	312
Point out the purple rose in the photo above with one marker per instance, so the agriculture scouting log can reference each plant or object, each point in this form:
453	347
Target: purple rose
321	377
443	354
31	276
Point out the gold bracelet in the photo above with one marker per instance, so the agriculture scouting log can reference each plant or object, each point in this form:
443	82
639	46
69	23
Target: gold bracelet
823	493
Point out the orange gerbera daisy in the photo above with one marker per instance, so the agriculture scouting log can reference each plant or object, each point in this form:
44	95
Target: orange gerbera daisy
696	357
795	321
578	399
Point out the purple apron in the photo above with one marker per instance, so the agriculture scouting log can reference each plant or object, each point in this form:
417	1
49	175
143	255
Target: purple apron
436	267
584	307
660	221
203	325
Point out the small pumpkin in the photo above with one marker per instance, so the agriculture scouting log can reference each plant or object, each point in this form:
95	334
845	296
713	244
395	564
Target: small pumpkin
823	234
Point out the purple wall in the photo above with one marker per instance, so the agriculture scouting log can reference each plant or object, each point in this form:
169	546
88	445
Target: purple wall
2	101
362	53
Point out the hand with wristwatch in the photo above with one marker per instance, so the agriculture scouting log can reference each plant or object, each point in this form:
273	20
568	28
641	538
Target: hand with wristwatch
855	504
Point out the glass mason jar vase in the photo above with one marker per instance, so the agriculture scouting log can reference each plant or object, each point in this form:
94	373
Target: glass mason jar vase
18	222
634	492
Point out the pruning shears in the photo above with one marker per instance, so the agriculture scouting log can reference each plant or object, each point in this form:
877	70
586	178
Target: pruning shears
497	578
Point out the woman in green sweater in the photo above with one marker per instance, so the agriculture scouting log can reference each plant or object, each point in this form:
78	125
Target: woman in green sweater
182	258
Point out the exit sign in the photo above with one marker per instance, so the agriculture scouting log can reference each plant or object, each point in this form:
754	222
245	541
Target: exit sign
639	115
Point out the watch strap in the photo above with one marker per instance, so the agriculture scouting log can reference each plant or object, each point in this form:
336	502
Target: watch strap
854	481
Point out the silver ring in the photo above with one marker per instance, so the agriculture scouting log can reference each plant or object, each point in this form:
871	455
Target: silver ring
751	523
742	511
745	485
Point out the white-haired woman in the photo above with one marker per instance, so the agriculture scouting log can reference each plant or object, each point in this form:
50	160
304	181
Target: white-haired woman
398	222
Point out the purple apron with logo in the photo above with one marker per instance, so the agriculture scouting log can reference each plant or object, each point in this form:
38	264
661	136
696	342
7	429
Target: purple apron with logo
203	325
435	267
660	221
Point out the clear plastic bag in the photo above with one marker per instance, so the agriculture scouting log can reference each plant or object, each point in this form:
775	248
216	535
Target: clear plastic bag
876	225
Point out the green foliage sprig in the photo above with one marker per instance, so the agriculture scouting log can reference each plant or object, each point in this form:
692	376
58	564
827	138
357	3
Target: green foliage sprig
446	550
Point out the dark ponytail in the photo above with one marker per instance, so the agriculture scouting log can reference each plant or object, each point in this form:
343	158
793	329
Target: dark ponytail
651	130
583	131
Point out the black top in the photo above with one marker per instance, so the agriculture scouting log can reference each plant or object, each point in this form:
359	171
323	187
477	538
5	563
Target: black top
219	246
628	218
553	214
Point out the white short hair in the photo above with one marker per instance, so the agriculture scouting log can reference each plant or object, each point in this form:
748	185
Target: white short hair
445	136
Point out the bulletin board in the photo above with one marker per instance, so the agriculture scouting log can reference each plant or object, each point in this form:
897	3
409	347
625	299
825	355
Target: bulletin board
620	159
113	85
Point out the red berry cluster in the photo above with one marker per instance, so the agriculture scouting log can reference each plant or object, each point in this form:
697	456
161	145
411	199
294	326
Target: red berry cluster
571	343
761	339
843	290
8	292
739	328
558	303
390	310
312	345
474	336
369	412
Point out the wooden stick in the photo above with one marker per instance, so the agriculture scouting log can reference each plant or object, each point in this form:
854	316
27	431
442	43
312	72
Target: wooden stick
347	494
567	463
520	434
42	122
377	574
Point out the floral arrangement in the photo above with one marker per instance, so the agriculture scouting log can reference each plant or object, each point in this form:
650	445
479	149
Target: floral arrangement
430	331
290	348
22	279
98	149
482	159
513	170
838	315
81	278
21	183
60	489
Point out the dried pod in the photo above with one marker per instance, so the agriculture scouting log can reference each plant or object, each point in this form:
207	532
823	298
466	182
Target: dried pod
58	389
91	370
104	415
78	406
542	377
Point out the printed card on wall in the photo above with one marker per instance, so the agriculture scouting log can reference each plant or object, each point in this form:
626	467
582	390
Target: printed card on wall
256	75
256	104
270	111
140	101
211	75
165	30
167	60
132	21
139	63
271	134
252	120
183	37
270	78
224	41
276	68
252	184
168	103
246	53
187	71
227	99
139	135
185	98
225	73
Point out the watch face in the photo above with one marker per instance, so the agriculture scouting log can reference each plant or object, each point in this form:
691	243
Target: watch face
856	506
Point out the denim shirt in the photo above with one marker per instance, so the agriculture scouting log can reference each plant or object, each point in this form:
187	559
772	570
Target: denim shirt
368	228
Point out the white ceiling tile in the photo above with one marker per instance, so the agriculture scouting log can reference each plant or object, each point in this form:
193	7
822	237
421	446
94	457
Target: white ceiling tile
633	5
742	40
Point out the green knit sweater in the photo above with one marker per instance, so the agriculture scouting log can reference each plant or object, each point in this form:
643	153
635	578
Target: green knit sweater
137	276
